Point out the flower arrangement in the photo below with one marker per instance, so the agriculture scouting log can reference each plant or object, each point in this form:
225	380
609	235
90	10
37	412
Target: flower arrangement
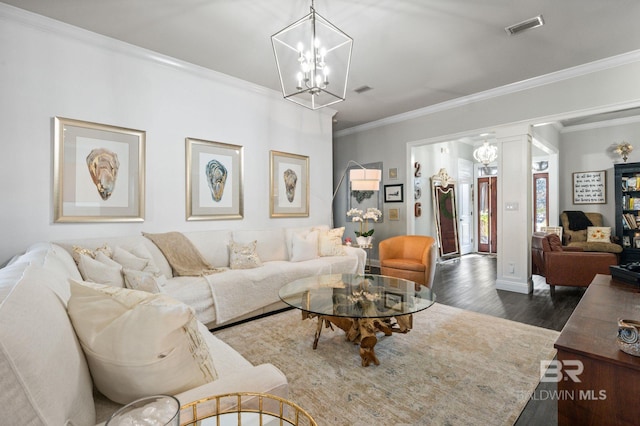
348	241
364	217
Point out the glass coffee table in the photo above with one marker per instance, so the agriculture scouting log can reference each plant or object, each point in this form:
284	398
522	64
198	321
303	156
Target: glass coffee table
360	305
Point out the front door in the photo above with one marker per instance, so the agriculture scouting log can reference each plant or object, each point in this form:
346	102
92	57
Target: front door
487	210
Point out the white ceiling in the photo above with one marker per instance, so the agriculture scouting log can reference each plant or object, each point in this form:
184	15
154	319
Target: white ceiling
413	53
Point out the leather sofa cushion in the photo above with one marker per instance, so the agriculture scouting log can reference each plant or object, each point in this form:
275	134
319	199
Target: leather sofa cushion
408	264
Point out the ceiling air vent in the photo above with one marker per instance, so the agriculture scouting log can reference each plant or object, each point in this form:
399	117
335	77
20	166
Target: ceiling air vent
525	25
362	89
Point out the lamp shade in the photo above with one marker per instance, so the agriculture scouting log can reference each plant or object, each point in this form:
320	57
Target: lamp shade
365	179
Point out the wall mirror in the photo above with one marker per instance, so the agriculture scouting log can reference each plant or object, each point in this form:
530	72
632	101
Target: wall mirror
445	214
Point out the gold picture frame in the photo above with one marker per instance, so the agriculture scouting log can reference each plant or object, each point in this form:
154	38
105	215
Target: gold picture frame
214	180
288	185
98	172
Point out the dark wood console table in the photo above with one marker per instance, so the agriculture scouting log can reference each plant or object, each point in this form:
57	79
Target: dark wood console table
610	382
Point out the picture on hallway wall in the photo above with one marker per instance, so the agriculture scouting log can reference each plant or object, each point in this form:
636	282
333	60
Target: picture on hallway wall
99	172
214	180
288	185
393	193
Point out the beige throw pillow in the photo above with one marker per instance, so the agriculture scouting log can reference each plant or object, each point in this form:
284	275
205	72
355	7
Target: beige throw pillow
137	258
143	281
330	242
100	270
77	251
138	344
243	256
598	234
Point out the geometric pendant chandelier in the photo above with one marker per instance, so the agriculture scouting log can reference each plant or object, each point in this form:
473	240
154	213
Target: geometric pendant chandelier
313	58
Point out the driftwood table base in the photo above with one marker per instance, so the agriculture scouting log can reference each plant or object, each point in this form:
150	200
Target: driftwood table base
363	331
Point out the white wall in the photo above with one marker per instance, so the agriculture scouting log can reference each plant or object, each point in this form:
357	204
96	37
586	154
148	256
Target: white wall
50	69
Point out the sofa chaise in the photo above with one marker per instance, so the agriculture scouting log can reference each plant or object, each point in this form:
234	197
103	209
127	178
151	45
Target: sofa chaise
52	318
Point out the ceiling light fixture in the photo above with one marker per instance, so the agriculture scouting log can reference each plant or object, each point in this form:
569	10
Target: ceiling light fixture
529	24
313	58
486	154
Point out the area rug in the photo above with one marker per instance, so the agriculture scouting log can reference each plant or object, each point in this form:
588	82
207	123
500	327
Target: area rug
455	367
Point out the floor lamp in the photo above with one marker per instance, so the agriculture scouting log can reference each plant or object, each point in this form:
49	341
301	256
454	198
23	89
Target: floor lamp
361	179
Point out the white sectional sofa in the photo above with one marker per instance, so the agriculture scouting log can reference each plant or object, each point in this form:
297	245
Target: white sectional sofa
233	295
45	374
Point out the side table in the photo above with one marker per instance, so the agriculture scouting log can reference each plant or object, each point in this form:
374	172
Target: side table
244	408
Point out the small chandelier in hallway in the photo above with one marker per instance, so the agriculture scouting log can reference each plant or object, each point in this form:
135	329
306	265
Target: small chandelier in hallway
486	154
313	58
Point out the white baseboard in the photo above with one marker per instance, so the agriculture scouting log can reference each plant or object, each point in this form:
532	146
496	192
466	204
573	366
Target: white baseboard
515	286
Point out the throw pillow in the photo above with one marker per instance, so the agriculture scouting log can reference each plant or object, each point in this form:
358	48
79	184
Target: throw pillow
77	251
143	281
137	258
100	270
304	246
243	256
330	242
601	234
138	344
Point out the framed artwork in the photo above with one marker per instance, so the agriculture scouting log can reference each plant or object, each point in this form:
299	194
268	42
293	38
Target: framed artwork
363	199
590	187
98	172
393	173
288	185
214	180
394	214
393	193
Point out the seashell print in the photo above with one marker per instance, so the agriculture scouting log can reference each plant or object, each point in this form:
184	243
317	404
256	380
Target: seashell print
216	178
103	167
628	337
290	181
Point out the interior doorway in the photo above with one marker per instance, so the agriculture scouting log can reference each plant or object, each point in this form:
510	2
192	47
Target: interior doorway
487	210
465	205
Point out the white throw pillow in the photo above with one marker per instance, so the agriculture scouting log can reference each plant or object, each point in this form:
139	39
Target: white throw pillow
330	242
304	246
598	234
243	256
137	343
137	258
144	281
101	270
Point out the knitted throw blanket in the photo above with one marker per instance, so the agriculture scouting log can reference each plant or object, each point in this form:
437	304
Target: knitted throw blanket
578	220
182	255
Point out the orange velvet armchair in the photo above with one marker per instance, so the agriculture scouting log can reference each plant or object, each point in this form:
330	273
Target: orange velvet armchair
412	257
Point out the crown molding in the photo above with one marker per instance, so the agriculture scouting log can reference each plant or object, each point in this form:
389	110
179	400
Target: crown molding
573	72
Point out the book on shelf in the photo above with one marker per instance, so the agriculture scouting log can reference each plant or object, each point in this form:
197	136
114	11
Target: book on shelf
630	221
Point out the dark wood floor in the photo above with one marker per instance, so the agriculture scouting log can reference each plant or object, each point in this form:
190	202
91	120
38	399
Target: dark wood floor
469	283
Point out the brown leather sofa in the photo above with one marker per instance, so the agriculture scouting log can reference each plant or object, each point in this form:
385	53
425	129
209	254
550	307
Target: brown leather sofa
412	257
561	265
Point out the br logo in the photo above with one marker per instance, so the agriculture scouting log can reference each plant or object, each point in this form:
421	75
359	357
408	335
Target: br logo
556	371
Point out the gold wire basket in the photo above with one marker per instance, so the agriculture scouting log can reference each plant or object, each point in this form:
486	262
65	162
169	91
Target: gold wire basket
247	408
